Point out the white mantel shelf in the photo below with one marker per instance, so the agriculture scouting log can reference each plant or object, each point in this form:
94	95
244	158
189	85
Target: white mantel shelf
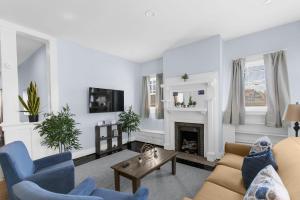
201	110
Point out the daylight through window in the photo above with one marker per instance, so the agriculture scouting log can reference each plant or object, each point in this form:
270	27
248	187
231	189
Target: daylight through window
255	84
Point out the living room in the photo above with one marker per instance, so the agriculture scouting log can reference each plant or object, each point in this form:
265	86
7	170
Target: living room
149	100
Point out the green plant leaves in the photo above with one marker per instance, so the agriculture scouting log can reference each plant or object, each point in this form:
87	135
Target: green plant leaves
60	130
130	121
32	105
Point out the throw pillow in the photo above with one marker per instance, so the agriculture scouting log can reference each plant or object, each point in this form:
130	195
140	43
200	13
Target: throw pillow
267	185
261	144
254	163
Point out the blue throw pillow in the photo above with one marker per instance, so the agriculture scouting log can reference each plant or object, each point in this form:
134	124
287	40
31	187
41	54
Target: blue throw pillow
254	163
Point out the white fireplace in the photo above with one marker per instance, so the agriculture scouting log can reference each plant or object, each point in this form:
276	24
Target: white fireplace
204	90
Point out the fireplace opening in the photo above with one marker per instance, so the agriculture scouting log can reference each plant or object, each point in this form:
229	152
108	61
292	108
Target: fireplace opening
189	138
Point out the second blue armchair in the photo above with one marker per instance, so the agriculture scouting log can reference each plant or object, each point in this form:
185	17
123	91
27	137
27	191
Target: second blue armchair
54	173
86	190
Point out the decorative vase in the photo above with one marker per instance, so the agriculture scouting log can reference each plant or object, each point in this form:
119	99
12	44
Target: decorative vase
33	118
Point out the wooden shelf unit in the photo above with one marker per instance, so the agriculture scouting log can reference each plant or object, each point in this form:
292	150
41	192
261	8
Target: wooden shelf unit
108	139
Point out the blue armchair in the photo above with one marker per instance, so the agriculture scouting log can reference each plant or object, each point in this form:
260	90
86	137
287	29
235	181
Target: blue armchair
54	173
86	190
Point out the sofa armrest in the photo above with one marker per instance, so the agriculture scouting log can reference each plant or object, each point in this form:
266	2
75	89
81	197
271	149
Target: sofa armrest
28	190
238	149
85	188
52	160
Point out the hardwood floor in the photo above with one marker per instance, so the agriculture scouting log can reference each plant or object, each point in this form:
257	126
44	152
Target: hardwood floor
3	191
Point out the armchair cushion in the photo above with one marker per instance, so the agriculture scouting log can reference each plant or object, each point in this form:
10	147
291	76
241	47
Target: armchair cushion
52	160
57	178
26	190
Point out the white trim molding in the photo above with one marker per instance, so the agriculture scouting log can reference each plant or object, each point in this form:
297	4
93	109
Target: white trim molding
250	132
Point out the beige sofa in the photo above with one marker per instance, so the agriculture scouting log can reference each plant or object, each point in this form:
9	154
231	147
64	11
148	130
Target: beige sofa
225	182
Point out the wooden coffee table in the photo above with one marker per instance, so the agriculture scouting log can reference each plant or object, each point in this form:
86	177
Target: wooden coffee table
135	171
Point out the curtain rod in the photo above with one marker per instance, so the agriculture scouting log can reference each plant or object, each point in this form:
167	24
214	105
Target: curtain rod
260	53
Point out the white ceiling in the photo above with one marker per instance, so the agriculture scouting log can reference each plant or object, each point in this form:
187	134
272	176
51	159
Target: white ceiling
120	27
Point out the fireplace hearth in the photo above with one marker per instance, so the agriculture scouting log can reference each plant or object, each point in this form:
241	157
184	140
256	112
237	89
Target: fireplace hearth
189	138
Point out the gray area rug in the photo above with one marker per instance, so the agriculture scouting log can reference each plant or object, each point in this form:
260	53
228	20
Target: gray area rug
161	183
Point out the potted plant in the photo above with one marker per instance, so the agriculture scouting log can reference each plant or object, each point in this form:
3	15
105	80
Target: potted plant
129	121
185	76
32	105
190	101
59	130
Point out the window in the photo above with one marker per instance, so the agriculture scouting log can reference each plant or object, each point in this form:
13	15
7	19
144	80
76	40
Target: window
152	91
152	94
255	85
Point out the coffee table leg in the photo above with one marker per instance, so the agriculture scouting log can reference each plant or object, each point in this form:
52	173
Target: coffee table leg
136	183
174	166
117	181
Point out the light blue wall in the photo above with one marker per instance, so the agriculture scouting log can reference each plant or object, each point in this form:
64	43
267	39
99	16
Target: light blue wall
282	37
35	68
198	57
151	68
80	68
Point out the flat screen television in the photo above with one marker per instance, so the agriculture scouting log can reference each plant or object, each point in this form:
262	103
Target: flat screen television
105	100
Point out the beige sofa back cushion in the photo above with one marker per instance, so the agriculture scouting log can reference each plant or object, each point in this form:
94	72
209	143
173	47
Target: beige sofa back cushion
287	154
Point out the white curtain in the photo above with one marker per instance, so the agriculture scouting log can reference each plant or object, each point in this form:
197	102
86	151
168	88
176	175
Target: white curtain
235	111
159	105
145	110
278	96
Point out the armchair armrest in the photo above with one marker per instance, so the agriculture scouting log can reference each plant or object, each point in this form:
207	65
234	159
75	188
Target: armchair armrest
238	149
141	194
52	160
29	190
85	188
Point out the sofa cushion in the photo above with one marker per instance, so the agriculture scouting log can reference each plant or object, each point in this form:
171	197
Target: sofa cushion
211	191
287	154
267	185
254	163
229	178
232	160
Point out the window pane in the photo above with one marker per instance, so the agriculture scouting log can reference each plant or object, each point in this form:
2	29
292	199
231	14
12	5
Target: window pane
152	91
255	86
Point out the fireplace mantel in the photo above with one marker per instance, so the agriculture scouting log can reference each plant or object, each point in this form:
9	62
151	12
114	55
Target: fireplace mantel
202	111
206	113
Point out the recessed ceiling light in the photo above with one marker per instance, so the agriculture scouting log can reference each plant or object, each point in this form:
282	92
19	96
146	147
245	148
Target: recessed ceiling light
68	16
149	13
267	2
